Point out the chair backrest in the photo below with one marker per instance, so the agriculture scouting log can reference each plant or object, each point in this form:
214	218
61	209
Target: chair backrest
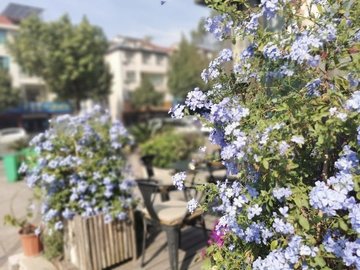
148	163
148	189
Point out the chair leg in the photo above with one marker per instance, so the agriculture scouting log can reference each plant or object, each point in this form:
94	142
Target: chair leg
144	243
172	233
203	225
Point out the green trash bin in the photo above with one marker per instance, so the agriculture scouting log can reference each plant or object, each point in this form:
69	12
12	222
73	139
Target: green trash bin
11	167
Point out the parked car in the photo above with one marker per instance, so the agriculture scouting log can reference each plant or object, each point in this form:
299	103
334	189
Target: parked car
9	136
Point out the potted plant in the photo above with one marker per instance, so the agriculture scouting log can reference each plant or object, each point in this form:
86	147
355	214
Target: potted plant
81	175
29	234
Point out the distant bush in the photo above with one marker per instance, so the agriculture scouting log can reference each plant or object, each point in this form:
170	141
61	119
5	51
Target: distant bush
142	132
169	147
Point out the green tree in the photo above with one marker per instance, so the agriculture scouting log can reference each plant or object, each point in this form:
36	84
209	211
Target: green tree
69	58
146	95
185	66
9	96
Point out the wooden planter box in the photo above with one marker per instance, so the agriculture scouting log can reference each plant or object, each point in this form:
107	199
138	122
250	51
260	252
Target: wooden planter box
90	244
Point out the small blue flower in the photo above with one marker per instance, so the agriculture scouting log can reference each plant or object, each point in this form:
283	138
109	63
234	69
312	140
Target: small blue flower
59	226
178	180
280	193
313	87
254	211
192	205
272	52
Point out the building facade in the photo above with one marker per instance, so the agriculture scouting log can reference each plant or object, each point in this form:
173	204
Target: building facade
130	60
32	88
35	105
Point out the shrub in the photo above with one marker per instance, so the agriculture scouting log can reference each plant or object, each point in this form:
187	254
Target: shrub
287	120
80	169
169	147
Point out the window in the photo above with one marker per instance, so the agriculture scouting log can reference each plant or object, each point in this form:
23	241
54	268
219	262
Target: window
129	57
130	77
2	36
160	60
156	79
4	62
146	58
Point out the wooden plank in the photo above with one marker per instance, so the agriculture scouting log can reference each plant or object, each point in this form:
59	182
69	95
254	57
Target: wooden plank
192	243
95	242
117	242
101	248
79	231
80	242
110	243
93	246
107	246
87	240
88	237
133	233
120	236
114	241
126	239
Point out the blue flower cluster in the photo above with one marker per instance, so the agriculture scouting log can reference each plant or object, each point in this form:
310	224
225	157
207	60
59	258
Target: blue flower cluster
333	195
313	88
285	258
272	52
196	99
213	71
80	168
341	247
177	111
270	7
220	26
353	103
179	179
300	49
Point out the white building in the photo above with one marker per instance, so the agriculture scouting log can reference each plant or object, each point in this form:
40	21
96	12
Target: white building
32	88
130	60
35	105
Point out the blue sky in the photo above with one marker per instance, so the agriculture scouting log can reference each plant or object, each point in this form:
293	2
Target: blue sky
137	18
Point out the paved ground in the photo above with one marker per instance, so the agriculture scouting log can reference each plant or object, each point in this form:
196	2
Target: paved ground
14	199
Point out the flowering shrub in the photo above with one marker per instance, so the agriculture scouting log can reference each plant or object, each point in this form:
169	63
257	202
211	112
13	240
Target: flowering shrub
80	169
286	117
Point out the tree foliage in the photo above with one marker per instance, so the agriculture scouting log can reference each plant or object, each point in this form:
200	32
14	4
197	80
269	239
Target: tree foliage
186	64
146	95
9	96
69	58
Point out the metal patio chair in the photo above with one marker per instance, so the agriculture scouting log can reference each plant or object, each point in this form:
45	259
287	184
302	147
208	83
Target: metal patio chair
168	216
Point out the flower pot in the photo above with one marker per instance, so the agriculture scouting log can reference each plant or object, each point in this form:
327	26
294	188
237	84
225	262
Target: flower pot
31	244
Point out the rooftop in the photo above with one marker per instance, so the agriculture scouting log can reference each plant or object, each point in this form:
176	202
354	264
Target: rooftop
136	44
5	20
17	12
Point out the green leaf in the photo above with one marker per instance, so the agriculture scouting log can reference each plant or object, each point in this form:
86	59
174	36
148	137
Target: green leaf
343	225
304	223
273	244
265	163
217	256
320	261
